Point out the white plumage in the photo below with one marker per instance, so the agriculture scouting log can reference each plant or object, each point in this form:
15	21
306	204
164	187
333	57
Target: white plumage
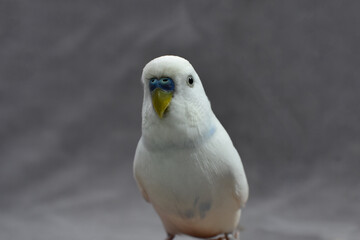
185	163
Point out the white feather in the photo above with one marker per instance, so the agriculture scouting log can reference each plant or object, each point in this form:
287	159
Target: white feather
185	163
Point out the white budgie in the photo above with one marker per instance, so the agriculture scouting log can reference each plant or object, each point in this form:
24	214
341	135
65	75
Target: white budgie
185	163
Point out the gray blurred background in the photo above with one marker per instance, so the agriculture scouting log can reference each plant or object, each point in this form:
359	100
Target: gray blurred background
70	112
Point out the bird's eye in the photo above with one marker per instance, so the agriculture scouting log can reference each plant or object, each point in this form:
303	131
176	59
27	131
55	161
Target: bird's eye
190	81
152	80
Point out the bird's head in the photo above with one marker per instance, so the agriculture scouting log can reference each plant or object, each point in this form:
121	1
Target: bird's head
173	94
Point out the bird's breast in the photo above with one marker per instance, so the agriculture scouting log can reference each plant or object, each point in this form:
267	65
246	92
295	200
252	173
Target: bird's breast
185	183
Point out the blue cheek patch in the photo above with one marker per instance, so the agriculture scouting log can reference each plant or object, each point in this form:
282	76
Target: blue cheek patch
166	84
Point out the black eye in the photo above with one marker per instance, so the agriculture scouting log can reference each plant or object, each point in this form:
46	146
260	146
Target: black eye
190	81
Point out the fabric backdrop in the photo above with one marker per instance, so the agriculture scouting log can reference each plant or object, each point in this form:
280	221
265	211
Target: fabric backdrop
282	77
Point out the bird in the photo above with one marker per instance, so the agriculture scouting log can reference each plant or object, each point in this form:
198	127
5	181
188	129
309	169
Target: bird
185	163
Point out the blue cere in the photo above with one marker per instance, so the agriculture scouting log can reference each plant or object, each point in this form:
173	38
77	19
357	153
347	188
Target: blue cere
165	83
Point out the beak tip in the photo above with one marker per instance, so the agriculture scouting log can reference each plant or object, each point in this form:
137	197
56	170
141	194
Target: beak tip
161	101
160	114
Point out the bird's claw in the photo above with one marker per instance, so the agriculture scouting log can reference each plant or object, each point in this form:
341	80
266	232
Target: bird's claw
229	236
170	237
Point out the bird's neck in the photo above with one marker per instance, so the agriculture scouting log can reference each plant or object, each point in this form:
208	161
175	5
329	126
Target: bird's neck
180	136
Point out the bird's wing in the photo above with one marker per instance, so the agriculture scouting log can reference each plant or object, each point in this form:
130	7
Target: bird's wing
229	155
138	163
241	189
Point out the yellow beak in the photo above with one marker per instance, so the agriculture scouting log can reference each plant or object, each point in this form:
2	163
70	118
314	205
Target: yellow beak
161	100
